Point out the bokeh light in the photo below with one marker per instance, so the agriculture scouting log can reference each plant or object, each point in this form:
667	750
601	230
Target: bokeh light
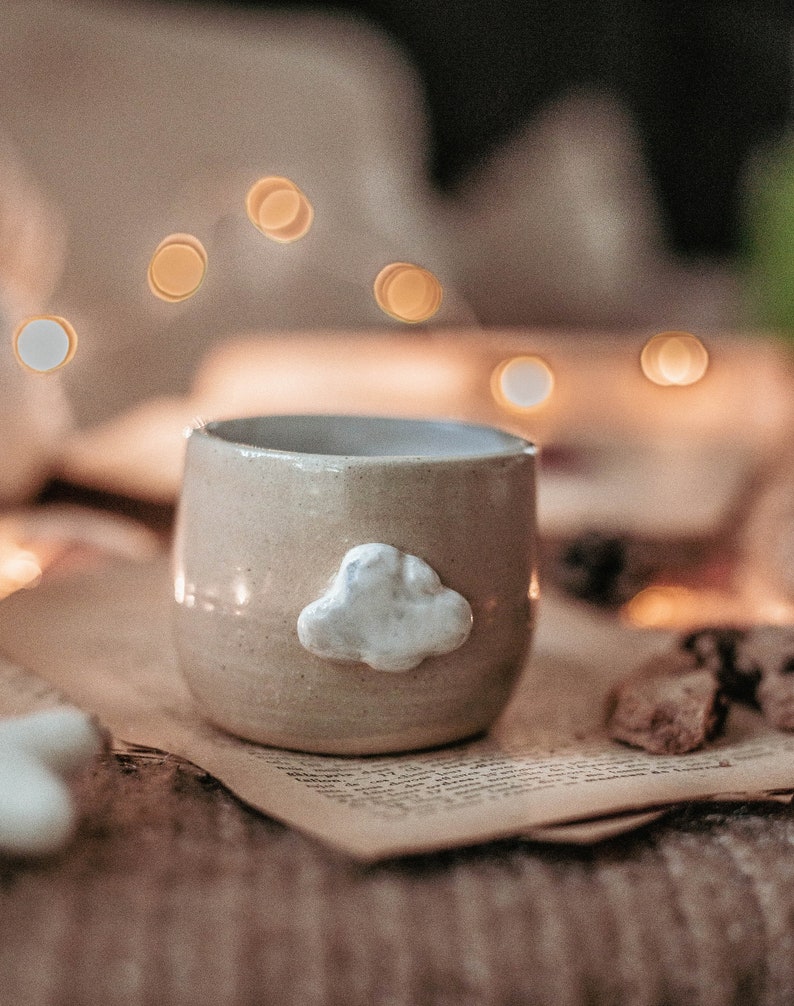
19	570
407	292
44	343
674	358
674	606
522	383
279	209
177	268
657	607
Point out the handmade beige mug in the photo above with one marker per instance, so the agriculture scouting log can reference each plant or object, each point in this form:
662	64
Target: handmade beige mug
352	584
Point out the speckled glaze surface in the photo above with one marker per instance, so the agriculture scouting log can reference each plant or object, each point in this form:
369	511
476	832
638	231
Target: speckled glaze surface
269	508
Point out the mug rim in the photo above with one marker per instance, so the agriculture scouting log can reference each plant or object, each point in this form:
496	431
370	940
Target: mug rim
512	445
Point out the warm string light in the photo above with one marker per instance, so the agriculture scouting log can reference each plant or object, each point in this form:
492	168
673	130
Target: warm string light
658	607
407	292
522	383
44	343
177	268
279	209
20	569
674	606
34	541
674	358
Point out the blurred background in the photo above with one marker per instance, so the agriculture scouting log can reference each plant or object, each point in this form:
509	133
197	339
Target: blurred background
607	165
707	85
577	177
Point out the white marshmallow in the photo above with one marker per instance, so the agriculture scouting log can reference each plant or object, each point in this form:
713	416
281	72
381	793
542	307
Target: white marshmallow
38	753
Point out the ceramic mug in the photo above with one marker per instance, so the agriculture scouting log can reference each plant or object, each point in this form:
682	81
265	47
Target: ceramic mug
352	584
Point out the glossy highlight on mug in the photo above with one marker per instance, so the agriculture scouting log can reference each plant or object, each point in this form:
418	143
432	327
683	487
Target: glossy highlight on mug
44	343
177	268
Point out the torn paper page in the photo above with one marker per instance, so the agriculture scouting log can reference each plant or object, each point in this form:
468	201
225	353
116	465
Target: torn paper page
104	639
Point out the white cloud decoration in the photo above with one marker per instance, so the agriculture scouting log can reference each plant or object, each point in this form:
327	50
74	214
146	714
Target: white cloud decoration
387	609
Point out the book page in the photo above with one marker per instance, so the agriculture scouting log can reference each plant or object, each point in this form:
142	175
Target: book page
22	692
103	639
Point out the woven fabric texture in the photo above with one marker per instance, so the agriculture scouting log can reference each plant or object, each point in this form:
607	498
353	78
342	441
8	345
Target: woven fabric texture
175	893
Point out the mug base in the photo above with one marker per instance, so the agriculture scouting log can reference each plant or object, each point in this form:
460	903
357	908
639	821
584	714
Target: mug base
398	742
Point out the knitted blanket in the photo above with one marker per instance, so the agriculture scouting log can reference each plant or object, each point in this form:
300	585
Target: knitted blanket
175	893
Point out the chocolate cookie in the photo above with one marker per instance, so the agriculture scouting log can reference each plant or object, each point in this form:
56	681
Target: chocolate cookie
768	651
754	665
716	649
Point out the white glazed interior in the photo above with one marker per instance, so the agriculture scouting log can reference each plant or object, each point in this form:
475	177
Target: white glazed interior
366	436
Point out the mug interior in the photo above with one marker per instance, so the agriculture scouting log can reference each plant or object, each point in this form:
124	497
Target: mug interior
366	436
